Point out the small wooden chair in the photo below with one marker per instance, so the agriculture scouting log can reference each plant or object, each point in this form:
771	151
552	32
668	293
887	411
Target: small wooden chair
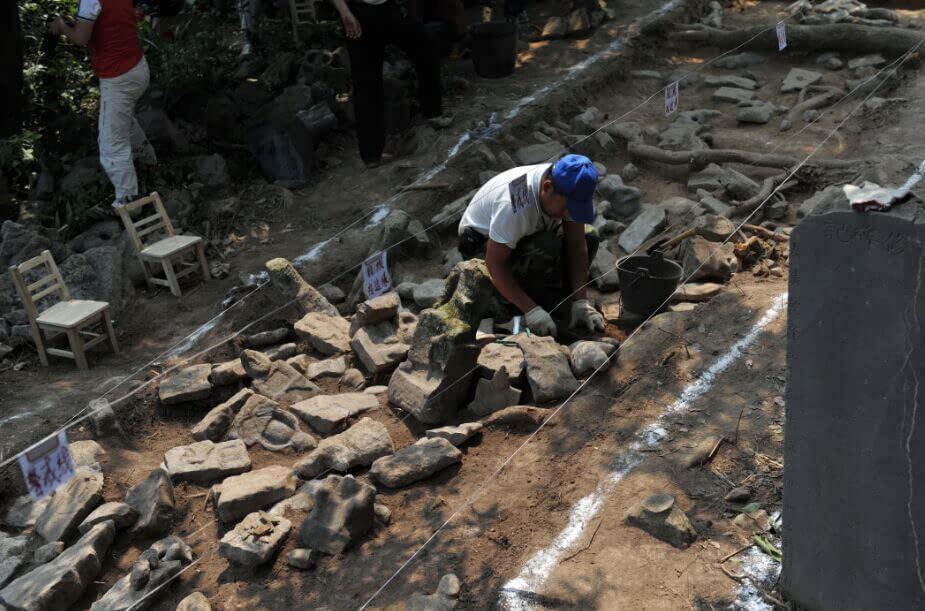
68	316
302	11
166	251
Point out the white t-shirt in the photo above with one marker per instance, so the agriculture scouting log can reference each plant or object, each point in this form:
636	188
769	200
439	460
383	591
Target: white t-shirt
507	207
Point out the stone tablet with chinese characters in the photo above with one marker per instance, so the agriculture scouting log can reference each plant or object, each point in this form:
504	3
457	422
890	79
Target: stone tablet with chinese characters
854	454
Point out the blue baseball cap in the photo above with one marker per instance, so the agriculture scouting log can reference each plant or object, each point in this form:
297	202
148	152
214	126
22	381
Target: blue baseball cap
576	177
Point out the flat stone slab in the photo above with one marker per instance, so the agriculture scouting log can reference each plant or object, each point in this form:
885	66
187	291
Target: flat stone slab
215	424
739	82
122	515
328	368
343	513
61	582
798	79
326	334
733	95
646	225
359	445
548	369
697	293
495	356
377	309
242	494
328	413
205	462
457	435
255	539
874	61
758	113
707	179
189	384
415	462
70	504
378	347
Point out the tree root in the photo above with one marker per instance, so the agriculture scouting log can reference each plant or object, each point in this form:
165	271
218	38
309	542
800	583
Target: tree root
828	96
807	38
702	158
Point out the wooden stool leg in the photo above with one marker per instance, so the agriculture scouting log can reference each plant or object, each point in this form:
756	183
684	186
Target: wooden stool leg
201	255
171	277
77	347
40	343
110	332
147	272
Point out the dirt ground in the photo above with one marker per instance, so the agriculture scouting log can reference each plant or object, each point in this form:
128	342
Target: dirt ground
478	520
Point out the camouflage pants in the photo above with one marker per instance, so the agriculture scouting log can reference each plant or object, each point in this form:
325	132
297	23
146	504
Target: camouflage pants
540	267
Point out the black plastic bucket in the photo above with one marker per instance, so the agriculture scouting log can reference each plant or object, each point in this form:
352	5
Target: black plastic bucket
494	48
647	281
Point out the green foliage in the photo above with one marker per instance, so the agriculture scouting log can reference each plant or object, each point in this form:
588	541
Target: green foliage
17	155
184	61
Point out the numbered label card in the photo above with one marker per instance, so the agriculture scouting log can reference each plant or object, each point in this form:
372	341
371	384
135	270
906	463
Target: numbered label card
520	195
376	279
781	36
47	465
671	98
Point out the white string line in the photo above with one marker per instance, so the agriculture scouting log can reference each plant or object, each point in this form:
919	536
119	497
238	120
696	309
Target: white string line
606	362
780	143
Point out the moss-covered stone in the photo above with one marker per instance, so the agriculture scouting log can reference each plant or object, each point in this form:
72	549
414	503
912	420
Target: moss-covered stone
434	382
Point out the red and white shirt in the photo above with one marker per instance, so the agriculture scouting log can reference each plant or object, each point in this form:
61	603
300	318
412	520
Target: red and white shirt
114	47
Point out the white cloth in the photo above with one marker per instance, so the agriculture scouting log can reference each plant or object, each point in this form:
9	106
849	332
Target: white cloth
89	9
118	127
492	213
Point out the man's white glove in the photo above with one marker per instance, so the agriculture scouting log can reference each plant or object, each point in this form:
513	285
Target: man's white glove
584	314
540	322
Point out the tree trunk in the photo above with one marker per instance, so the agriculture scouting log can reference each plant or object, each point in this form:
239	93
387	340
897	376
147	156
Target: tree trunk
803	38
11	64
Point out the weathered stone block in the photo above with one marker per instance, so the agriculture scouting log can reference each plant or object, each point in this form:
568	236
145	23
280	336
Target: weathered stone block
435	380
242	494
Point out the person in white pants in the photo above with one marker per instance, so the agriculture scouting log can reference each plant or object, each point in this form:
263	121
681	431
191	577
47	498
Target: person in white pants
107	28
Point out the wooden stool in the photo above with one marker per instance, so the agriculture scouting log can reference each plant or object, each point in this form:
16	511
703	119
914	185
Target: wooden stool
164	252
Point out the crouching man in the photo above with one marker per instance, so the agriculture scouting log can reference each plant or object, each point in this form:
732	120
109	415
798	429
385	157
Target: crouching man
532	225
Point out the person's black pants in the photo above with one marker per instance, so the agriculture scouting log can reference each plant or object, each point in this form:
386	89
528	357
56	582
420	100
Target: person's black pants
381	25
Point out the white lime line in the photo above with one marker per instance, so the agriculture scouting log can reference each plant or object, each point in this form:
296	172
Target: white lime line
518	593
